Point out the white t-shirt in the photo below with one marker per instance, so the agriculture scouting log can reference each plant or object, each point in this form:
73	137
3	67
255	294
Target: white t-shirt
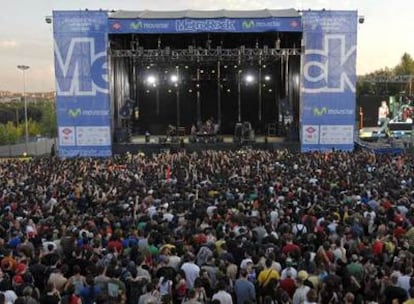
192	272
223	296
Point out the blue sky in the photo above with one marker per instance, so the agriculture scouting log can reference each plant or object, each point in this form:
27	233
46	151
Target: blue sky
25	38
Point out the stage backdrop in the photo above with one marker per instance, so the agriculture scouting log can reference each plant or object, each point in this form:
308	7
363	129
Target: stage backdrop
83	108
328	80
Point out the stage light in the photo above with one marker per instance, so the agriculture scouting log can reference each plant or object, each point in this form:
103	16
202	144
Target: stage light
264	66
197	85
249	78
228	90
213	71
169	91
174	78
267	78
147	91
277	44
201	71
190	91
152	80
270	90
225	67
148	67
186	67
235	66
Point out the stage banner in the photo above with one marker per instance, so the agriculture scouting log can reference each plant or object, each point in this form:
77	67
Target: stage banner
328	80
217	25
82	93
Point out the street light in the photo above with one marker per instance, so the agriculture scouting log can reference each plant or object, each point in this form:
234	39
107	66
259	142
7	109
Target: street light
23	68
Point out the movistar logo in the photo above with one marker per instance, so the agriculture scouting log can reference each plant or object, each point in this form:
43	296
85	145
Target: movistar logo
248	24
319	112
74	112
136	25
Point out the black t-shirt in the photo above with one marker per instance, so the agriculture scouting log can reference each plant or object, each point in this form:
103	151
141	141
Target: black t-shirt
394	292
49	299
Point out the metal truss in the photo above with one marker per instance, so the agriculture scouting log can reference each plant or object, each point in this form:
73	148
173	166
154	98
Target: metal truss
202	54
388	79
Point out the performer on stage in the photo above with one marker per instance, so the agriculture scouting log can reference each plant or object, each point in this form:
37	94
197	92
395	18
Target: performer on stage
383	113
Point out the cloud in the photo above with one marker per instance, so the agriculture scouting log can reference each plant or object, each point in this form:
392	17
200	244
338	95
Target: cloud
8	44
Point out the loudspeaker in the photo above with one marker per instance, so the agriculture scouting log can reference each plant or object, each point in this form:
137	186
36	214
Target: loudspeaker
121	135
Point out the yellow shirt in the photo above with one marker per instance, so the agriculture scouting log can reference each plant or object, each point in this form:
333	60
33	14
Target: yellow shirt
266	275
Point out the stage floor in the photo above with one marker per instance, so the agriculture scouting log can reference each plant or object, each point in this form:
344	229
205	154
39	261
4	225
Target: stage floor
228	139
159	143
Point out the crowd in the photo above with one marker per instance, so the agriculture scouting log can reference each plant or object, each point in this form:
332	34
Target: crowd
216	227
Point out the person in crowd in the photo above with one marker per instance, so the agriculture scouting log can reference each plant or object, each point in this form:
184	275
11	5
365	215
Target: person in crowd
244	289
156	227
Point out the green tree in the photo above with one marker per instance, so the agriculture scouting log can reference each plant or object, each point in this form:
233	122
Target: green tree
406	65
8	134
48	124
34	128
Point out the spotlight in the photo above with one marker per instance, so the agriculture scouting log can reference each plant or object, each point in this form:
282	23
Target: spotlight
201	71
235	66
169	91
249	78
213	71
264	66
277	44
228	90
174	78
151	80
225	67
267	78
190	91
270	90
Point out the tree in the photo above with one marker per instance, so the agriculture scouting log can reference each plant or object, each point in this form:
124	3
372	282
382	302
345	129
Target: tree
48	124
8	134
406	65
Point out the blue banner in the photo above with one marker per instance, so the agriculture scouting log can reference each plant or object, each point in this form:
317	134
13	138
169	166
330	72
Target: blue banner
328	80
218	25
82	89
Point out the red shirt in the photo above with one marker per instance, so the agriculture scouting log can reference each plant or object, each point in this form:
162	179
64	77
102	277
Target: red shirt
399	231
289	248
377	248
115	244
288	285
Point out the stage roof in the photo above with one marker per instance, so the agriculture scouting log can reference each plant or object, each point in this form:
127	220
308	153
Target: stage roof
193	14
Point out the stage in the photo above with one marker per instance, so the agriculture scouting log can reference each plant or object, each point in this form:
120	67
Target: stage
160	143
207	71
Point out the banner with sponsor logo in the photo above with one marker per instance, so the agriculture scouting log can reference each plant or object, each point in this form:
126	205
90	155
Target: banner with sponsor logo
218	25
82	101
328	80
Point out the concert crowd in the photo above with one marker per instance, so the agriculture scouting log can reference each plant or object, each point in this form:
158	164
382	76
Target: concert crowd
218	227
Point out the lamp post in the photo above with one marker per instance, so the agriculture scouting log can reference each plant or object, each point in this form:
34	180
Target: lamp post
23	68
